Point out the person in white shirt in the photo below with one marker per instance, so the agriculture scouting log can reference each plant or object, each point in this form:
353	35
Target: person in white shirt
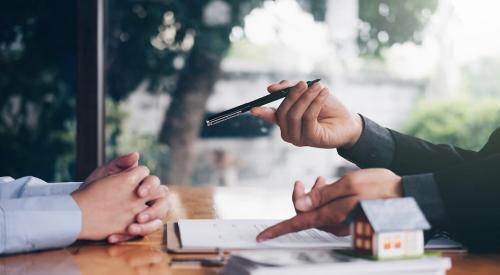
118	201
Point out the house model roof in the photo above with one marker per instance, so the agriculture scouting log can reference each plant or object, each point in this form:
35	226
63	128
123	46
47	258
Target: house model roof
388	215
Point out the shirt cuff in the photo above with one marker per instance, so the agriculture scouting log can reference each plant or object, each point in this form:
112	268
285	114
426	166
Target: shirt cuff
36	223
50	189
375	147
423	188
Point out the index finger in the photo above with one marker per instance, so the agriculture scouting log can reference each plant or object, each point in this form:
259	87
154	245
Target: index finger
135	175
300	222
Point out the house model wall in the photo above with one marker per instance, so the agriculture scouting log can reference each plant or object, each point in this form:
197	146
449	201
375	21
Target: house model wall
389	231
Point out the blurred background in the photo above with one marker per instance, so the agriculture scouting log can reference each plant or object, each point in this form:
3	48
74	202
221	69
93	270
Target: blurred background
429	68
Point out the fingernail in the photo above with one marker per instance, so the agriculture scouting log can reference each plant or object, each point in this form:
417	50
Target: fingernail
304	203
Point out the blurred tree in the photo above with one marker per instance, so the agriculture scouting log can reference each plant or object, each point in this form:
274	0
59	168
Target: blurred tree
386	22
176	46
37	84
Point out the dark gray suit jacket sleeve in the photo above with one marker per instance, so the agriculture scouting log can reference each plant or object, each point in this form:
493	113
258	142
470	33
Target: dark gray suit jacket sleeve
449	183
376	149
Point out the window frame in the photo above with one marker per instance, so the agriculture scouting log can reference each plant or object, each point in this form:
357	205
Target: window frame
90	134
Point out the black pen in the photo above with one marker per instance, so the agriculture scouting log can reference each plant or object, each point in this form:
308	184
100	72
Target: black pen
236	111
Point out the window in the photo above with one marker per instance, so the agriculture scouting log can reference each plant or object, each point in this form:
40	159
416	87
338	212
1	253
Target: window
368	229
359	228
410	65
38	89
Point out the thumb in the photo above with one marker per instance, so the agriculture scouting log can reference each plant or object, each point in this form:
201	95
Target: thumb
311	200
324	193
265	113
127	161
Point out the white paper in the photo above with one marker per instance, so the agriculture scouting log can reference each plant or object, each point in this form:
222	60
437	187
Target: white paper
241	234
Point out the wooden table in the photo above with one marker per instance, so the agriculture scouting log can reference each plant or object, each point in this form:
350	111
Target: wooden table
146	257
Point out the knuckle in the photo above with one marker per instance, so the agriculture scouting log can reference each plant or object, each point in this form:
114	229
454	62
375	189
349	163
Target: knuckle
316	197
324	92
352	187
302	84
155	180
284	136
315	219
308	116
280	115
293	116
295	94
145	169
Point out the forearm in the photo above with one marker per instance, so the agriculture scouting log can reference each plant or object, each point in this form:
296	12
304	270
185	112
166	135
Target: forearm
29	224
34	187
423	188
471	196
414	156
379	147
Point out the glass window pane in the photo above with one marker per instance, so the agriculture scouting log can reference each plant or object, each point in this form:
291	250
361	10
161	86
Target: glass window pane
422	67
37	89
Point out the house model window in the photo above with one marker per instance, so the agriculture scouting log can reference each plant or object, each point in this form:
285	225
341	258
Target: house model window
391	228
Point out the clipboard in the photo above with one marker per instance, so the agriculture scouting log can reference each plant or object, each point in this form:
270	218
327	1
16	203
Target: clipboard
173	244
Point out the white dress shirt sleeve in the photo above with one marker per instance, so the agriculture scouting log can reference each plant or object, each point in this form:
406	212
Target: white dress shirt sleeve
37	215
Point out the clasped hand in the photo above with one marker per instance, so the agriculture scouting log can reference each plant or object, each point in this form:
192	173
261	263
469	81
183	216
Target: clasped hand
121	200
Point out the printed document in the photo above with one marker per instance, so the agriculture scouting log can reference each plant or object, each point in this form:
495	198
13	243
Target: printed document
241	234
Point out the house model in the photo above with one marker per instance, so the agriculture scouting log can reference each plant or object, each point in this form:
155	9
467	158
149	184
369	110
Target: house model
390	228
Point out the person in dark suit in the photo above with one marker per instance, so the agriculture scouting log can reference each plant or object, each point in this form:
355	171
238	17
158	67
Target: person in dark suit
458	190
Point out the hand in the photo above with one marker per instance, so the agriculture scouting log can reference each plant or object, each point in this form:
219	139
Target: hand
110	205
150	219
327	205
147	220
117	165
312	117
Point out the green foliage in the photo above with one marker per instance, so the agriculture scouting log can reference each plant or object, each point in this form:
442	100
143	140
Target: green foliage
386	22
465	122
37	84
121	140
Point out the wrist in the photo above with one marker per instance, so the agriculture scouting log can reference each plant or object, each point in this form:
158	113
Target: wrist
356	131
398	190
78	198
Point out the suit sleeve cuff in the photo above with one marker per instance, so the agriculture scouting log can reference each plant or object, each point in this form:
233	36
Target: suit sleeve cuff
423	189
375	147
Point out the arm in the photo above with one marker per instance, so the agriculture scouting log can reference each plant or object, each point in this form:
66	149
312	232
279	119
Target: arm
33	187
28	224
470	193
405	155
24	217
